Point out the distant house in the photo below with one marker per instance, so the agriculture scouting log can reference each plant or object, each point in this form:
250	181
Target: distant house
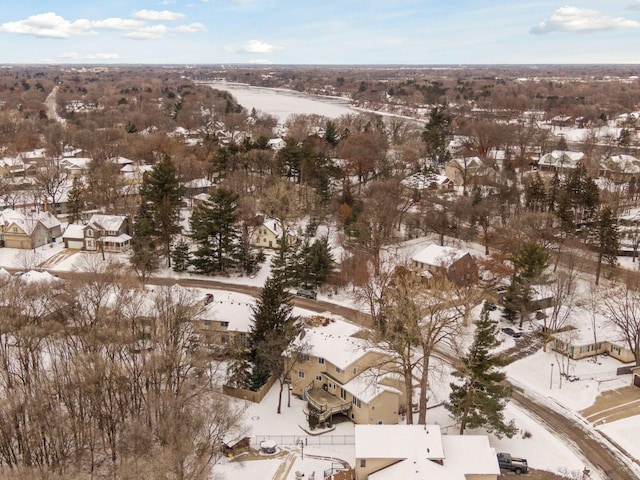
103	232
28	231
560	161
620	167
420	181
456	265
75	167
390	452
562	121
340	373
269	235
462	170
11	167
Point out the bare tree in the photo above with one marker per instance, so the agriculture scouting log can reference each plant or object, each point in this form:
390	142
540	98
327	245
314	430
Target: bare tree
621	306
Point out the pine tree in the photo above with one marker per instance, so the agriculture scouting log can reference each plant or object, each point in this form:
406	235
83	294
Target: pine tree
607	239
436	135
75	201
144	255
272	330
181	256
162	193
479	398
214	228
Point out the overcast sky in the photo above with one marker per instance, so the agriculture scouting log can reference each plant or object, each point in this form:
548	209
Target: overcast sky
320	31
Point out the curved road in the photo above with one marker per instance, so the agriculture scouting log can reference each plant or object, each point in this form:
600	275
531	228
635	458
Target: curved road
601	455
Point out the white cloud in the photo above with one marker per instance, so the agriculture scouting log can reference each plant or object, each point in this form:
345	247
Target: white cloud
192	28
52	25
47	25
581	20
258	46
117	24
158	16
153	32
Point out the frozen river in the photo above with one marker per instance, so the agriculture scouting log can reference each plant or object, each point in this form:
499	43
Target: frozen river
281	103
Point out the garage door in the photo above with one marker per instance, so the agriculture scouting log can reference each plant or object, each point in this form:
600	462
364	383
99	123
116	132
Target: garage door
79	244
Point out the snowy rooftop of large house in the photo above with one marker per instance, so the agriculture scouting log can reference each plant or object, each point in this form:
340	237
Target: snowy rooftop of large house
398	441
561	158
437	255
334	342
28	222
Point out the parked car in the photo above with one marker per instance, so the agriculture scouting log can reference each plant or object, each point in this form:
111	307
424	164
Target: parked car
511	332
512	464
307	294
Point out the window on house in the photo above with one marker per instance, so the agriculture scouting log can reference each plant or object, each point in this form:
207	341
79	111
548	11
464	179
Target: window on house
338	370
321	360
224	324
303	357
300	374
379	422
319	378
363	463
343	394
356	402
355	370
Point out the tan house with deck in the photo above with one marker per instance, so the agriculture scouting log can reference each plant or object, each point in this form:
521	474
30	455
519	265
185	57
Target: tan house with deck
340	373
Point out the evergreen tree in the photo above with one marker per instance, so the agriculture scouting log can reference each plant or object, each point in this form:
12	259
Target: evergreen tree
181	256
214	228
535	195
607	239
479	398
317	262
75	201
436	135
331	133
162	193
272	330
144	255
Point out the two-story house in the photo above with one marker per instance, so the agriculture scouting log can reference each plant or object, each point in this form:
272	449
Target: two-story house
108	233
28	230
456	265
342	373
269	234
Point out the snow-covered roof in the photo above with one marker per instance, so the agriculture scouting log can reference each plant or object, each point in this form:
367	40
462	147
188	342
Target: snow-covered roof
366	386
109	223
74	231
398	441
33	276
622	163
420	181
416	467
439	256
470	455
231	307
334	342
122	238
561	158
587	327
28	222
199	183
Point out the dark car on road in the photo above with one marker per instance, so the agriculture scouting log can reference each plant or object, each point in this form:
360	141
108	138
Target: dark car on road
306	294
511	332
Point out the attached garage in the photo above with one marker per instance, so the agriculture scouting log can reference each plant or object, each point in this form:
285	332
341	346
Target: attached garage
73	236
